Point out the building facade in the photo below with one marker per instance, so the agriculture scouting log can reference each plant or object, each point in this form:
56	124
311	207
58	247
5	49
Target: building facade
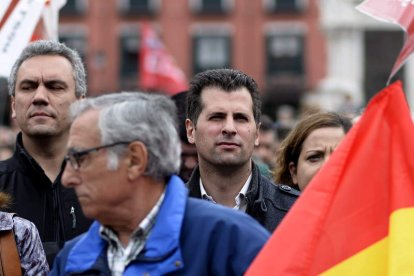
314	51
278	42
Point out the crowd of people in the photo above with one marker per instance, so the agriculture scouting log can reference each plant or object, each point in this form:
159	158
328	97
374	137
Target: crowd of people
134	183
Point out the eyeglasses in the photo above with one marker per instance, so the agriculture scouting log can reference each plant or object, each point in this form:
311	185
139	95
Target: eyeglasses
74	157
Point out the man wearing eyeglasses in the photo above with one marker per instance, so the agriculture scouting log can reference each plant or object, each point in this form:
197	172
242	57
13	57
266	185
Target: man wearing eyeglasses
123	157
45	80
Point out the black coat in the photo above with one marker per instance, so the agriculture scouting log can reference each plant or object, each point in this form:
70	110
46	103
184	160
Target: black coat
266	202
54	209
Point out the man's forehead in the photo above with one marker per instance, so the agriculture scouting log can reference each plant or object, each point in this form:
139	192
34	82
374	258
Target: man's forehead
52	66
240	98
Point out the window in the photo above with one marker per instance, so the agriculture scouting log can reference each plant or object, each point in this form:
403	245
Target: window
138	7
74	7
74	39
211	52
211	48
129	52
284	5
285	56
211	6
385	44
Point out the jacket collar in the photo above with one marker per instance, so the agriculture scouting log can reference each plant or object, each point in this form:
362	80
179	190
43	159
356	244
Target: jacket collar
193	183
23	159
254	195
162	242
23	156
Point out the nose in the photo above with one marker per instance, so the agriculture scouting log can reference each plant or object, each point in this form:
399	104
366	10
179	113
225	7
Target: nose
40	96
229	126
70	179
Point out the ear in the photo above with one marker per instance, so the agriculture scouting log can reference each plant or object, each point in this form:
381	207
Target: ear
257	140
137	160
293	173
190	127
13	107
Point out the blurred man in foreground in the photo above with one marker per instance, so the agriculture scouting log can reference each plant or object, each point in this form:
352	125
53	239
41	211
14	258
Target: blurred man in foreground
123	154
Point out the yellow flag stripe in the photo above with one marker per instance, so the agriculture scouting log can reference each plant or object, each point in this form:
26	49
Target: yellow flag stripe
392	255
401	242
370	261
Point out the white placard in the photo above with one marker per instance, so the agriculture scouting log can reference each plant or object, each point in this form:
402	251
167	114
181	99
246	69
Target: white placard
17	31
3	7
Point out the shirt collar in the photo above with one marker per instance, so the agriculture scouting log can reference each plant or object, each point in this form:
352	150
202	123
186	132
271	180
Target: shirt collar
240	199
142	230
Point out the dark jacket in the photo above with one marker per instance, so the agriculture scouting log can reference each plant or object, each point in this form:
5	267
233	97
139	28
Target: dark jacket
190	237
266	202
54	209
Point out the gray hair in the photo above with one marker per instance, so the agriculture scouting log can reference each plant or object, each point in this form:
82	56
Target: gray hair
51	48
130	116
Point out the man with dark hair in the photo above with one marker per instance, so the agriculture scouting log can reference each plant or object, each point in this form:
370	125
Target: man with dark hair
266	150
188	151
223	119
45	80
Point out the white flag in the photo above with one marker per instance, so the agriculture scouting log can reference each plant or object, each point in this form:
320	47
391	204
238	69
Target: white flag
3	7
17	31
51	18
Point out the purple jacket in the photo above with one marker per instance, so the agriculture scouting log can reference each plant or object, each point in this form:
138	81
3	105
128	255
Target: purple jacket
32	257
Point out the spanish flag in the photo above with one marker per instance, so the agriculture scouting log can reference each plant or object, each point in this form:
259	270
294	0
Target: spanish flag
356	217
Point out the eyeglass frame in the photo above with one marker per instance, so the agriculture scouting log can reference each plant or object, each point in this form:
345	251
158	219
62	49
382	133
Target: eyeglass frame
73	156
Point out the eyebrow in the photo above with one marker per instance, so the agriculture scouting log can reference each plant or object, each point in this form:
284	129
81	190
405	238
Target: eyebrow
28	81
52	82
47	82
216	113
241	114
225	113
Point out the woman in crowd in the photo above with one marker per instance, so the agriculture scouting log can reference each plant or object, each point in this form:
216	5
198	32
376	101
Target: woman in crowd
308	146
28	244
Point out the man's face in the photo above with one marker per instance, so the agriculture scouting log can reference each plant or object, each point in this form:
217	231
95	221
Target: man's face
98	188
45	88
226	131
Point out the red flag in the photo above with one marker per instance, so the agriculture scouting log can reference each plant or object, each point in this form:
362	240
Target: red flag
158	70
357	214
400	12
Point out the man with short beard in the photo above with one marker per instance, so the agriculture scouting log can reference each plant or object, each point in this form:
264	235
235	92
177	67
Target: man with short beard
223	119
